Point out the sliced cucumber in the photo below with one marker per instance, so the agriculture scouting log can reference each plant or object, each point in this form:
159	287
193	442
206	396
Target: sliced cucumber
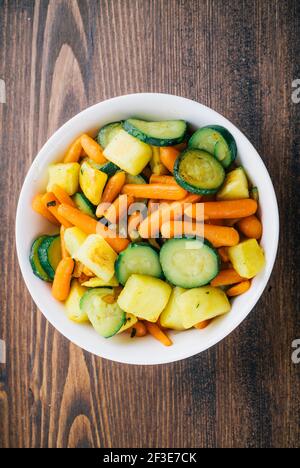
139	258
84	204
217	141
198	172
235	187
189	263
107	133
107	319
49	253
35	263
164	133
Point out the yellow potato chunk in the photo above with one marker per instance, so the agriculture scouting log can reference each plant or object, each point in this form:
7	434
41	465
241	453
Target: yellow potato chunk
100	283
92	182
129	153
156	165
73	303
247	258
145	297
66	175
171	316
235	186
98	256
74	238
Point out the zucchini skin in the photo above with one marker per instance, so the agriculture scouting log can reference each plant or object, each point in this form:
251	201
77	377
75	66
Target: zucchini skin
35	263
84	204
109	168
43	256
184	184
137	133
107	132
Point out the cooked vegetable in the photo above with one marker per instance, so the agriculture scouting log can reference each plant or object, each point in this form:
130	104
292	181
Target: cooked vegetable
98	256
235	186
165	133
189	263
49	253
247	258
138	329
128	153
62	279
157	333
202	325
39	207
74	311
254	193
201	304
117	243
224	209
83	204
217	141
74	238
66	175
119	208
226	278
223	252
198	172
64	252
81	220
99	283
62	195
134	221
171	316
74	152
92	149
156	165
156	191
130	321
168	157
251	227
107	133
107	319
162	179
238	289
52	204
111	191
35	263
92	182
144	296
137	258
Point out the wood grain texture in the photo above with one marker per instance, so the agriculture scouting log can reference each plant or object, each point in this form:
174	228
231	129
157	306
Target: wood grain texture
239	57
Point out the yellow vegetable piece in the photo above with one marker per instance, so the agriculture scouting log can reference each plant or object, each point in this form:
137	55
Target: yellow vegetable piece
247	258
156	165
201	304
235	186
99	282
129	153
98	256
145	297
74	238
66	175
171	316
73	303
130	321
92	182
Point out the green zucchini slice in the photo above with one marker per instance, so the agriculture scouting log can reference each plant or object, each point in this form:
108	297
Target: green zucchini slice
164	133
198	172
107	133
189	263
49	253
84	204
139	258
35	263
107	319
217	141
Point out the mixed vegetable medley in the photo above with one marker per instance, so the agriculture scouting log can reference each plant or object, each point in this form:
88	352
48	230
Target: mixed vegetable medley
157	228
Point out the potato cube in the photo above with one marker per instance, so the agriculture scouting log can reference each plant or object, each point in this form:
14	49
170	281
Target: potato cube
171	316
100	283
66	175
74	238
73	303
247	258
92	182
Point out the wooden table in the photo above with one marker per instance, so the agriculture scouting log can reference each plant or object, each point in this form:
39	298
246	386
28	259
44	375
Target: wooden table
240	57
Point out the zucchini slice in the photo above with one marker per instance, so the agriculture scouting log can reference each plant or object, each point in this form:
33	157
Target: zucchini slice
189	263
198	172
49	253
35	263
84	204
108	168
107	319
140	259
107	133
164	133
216	140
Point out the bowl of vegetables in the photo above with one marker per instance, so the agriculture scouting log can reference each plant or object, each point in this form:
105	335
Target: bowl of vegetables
147	228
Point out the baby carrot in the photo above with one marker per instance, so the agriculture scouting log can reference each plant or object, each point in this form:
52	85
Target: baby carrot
62	195
157	333
226	209
162	179
51	202
111	191
168	156
62	279
138	329
119	207
64	252
134	220
116	243
251	227
157	191
92	149
226	277
223	252
74	152
202	325
239	288
39	207
83	221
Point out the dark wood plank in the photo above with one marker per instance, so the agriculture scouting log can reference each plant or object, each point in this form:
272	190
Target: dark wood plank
240	57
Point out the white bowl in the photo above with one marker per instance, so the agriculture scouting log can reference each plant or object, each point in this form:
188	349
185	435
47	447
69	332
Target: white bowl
29	225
